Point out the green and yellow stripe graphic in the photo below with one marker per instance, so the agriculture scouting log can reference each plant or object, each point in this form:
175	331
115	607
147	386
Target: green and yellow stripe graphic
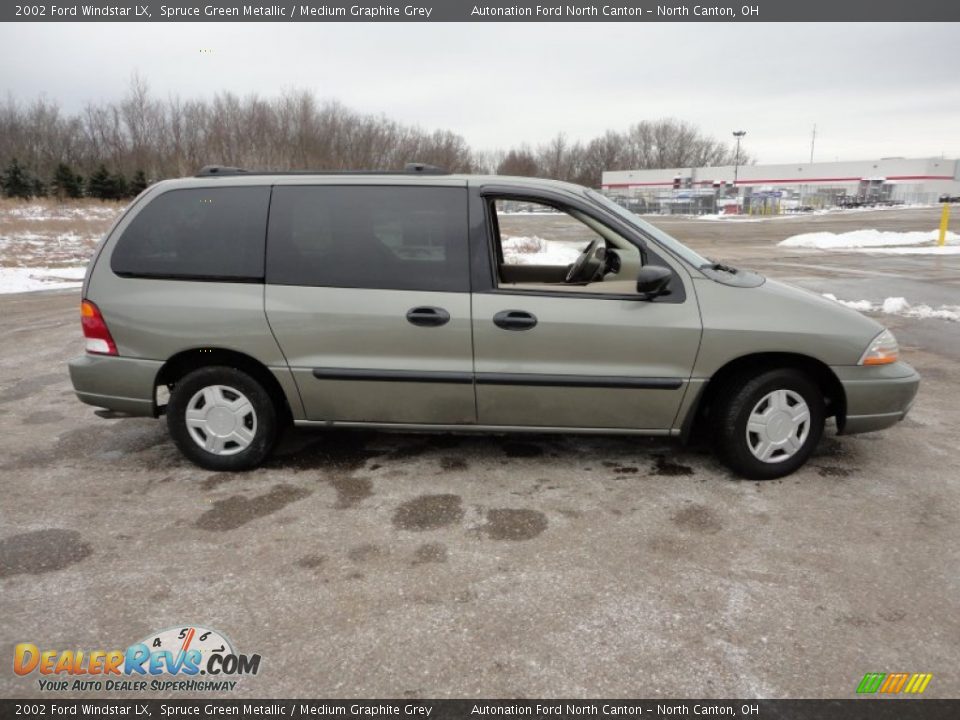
893	683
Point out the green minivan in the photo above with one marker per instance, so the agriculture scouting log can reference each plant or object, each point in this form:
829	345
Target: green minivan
236	303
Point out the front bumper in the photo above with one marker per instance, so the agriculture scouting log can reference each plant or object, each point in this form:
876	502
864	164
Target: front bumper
125	385
876	396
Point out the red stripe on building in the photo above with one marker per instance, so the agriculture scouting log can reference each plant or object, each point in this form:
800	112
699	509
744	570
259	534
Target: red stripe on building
629	185
776	181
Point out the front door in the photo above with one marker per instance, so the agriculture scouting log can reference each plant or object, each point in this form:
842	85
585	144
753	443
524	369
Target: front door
586	351
368	295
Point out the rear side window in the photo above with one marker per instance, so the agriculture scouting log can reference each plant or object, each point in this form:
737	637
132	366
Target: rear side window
392	238
197	234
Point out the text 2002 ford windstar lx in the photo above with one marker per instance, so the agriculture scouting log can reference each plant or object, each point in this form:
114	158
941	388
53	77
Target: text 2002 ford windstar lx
396	301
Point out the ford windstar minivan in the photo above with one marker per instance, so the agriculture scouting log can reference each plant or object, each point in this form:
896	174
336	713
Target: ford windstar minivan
236	303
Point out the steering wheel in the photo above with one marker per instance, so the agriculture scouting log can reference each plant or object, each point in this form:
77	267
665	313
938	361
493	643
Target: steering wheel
589	264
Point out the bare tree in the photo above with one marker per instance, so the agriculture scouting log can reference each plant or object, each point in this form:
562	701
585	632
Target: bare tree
295	130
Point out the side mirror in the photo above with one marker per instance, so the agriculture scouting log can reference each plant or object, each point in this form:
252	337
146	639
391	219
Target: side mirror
653	280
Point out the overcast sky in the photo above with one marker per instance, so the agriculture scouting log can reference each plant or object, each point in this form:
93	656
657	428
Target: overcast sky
874	90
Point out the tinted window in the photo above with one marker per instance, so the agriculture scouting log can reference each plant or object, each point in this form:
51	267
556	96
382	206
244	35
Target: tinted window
396	238
201	234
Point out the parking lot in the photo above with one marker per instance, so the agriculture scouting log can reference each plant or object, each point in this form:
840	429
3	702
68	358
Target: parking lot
370	564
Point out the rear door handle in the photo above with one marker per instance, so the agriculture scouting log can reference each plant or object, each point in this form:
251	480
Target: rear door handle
514	320
426	316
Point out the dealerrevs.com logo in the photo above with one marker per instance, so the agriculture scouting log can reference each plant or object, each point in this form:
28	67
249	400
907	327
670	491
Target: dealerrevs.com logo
190	658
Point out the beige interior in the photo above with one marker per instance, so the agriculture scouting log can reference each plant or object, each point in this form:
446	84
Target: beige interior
551	277
614	287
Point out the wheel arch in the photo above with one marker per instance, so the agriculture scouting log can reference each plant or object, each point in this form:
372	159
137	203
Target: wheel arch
697	419
186	361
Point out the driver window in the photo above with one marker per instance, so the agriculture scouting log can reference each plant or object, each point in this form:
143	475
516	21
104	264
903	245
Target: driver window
541	247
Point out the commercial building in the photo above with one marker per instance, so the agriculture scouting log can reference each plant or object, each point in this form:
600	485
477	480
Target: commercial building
785	187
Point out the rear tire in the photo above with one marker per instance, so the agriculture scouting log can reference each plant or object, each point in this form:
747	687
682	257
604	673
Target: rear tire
222	419
768	425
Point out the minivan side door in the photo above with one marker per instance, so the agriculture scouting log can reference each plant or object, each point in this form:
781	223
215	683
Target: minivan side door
591	355
367	292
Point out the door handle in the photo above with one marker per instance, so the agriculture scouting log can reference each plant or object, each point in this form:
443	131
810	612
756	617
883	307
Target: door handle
514	320
427	316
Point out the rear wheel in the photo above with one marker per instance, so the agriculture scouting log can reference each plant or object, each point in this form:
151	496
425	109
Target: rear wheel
768	425
222	419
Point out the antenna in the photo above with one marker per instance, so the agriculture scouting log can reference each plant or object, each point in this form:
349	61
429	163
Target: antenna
813	140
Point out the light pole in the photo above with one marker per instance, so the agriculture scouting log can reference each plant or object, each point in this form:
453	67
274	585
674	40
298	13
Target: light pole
736	165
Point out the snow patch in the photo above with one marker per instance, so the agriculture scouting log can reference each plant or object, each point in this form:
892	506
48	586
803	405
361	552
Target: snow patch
858	239
65	212
900	306
33	279
535	250
861	305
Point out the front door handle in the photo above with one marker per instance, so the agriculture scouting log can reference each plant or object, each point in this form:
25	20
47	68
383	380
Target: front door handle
514	320
426	316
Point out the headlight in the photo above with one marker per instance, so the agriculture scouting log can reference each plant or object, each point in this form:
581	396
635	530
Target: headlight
882	350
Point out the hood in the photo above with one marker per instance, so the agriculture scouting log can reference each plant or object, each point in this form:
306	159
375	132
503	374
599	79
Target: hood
777	317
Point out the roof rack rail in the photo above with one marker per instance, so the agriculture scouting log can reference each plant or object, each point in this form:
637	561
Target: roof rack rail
208	170
424	169
411	168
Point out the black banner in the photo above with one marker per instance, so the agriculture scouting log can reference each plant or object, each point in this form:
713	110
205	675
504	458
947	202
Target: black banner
854	709
479	11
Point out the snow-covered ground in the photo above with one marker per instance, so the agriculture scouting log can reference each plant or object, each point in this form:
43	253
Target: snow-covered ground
877	241
900	306
31	279
519	250
45	245
46	212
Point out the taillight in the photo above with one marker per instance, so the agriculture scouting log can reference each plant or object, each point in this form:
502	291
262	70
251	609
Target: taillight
95	330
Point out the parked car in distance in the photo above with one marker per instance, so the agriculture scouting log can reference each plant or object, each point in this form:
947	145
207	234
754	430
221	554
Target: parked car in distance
237	303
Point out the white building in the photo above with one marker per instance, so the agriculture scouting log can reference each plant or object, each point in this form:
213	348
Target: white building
785	186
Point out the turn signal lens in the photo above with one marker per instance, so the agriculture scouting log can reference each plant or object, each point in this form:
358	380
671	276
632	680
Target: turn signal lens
883	350
95	330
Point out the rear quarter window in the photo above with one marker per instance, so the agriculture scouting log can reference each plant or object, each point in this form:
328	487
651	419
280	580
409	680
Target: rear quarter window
197	234
365	236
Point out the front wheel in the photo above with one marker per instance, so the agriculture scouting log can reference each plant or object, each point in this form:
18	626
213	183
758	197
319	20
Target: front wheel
222	419
770	424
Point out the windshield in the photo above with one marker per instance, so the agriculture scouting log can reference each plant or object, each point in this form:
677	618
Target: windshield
675	246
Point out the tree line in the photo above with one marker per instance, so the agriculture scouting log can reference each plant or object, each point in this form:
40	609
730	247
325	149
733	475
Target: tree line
113	150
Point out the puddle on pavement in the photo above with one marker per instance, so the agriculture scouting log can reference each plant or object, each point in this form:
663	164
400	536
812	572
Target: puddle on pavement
351	491
237	511
430	553
428	512
698	518
513	524
666	467
41	551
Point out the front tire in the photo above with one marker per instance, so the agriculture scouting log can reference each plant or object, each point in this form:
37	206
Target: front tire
222	419
768	425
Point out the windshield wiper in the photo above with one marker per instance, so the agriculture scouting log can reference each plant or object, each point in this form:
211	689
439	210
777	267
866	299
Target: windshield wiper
720	267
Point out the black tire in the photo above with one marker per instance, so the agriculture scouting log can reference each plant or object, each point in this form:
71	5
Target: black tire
734	405
264	414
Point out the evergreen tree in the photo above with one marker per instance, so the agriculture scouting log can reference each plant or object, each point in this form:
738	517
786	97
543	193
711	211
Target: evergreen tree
66	183
38	188
16	181
138	184
99	185
118	187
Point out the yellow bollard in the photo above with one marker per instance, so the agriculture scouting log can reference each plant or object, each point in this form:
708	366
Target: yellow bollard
944	219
